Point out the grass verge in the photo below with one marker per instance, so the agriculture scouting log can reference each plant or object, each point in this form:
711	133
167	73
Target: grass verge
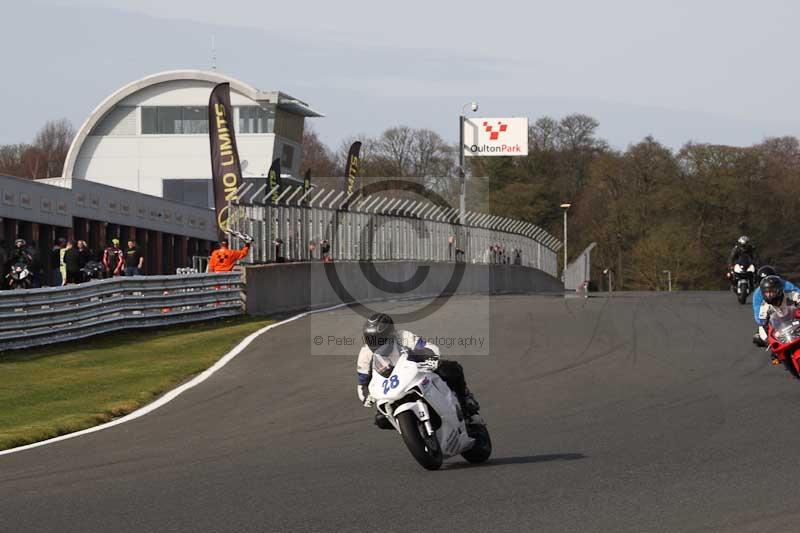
50	391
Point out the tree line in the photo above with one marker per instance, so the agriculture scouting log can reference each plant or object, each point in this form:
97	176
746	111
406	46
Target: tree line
649	208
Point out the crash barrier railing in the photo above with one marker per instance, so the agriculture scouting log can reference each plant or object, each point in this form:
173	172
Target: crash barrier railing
379	228
579	271
36	317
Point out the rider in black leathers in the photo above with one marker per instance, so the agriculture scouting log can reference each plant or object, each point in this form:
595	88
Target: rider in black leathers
743	252
743	248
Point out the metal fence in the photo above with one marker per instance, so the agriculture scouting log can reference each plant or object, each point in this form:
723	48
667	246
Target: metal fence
379	228
579	271
43	316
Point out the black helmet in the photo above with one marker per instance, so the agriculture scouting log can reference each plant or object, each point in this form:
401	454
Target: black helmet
379	333
765	271
772	290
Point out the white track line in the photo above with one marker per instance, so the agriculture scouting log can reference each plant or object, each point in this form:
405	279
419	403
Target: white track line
174	393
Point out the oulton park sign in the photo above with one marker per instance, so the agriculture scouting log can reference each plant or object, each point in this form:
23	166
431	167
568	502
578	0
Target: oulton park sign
496	136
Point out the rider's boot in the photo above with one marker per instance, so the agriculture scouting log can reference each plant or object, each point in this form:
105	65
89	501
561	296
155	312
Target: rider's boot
469	404
758	341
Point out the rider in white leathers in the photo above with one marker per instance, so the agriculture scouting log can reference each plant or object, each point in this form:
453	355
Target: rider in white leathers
381	338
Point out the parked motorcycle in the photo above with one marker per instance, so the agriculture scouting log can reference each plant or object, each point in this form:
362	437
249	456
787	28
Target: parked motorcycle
743	279
19	277
92	270
426	412
783	337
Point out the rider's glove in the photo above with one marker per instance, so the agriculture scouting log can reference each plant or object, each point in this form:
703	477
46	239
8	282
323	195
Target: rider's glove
363	392
364	395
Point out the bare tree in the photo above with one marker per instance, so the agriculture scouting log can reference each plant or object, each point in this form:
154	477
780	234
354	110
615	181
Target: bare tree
431	155
316	156
544	134
52	144
12	157
395	147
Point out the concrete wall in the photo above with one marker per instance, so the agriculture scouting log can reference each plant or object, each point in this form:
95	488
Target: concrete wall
292	287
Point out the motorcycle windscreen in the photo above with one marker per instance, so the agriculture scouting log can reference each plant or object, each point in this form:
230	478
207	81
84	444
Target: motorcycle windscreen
785	324
384	365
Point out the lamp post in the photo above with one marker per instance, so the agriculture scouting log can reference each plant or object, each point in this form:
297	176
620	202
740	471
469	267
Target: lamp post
461	172
565	207
669	279
607	272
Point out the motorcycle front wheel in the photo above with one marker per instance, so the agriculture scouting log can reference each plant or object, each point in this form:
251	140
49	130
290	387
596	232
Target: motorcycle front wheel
425	449
742	296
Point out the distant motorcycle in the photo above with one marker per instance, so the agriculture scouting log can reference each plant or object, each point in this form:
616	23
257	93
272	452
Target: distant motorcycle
19	277
783	338
743	278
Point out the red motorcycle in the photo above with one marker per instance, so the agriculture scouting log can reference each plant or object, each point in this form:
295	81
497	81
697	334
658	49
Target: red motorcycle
783	337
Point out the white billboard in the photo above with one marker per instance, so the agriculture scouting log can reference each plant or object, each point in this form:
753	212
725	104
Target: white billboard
495	136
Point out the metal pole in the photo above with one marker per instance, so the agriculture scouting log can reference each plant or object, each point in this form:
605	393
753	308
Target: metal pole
461	173
565	242
669	279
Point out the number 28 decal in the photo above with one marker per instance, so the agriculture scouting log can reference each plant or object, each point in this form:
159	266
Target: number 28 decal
390	383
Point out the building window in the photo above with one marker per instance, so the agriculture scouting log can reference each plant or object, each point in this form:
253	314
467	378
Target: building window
169	120
174	120
290	126
149	120
256	119
195	120
287	156
192	192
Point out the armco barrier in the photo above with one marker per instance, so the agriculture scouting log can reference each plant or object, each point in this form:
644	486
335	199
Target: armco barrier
292	287
44	316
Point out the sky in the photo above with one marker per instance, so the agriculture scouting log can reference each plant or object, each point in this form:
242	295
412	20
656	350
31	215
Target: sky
708	71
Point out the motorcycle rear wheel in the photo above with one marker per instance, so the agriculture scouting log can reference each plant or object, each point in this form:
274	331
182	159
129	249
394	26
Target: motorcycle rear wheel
425	449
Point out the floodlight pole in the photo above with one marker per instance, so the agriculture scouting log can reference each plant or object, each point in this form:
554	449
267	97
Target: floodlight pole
462	201
565	207
669	279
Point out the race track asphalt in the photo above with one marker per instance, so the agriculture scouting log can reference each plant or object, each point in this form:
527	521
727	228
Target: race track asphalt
641	412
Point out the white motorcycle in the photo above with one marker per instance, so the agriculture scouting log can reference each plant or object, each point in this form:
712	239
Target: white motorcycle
744	274
426	412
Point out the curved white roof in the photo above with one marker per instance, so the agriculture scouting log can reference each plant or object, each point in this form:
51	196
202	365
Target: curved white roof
274	97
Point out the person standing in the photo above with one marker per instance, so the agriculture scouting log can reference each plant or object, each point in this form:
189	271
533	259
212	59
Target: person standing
113	259
134	260
325	247
72	267
3	264
56	280
223	259
83	254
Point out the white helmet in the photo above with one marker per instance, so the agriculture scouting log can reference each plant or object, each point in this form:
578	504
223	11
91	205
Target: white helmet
743	240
